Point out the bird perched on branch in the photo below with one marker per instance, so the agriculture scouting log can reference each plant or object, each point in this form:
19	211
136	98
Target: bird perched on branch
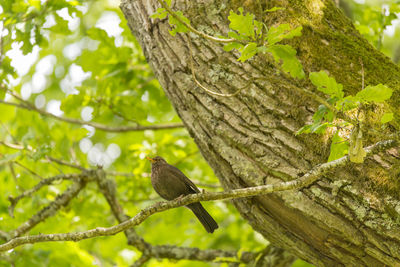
170	183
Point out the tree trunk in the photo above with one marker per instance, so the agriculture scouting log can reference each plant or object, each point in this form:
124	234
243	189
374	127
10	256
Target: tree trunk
350	216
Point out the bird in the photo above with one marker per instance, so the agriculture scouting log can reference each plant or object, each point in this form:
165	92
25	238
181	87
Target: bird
170	183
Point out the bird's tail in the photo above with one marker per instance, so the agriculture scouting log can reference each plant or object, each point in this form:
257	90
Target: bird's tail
204	217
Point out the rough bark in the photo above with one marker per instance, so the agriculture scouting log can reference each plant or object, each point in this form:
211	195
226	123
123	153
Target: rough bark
349	217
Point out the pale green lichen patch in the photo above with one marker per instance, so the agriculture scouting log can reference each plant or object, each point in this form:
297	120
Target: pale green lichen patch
316	191
360	212
315	7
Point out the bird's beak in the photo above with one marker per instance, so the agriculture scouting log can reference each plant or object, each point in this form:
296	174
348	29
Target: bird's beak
150	159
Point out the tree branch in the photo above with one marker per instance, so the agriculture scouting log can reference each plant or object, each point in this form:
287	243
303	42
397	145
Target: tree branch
28	106
303	181
61	201
84	175
108	189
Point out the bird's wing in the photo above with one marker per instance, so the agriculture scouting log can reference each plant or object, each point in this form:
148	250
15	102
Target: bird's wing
181	176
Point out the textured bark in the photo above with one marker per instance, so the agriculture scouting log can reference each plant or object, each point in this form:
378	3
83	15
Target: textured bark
349	217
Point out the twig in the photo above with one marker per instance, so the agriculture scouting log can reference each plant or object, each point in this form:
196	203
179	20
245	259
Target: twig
202	86
48	158
15	146
4	235
115	173
205	36
61	201
303	181
28	106
8	131
28	170
142	260
63	162
108	189
48	181
14	175
204	255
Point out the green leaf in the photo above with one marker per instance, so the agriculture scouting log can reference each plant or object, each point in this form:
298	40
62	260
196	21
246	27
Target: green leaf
294	33
61	25
41	152
320	113
377	93
326	84
347	103
243	24
304	129
386	117
339	147
233	45
236	36
316	127
319	128
275	34
283	31
179	27
248	51
258	28
161	13
71	102
287	54
19	7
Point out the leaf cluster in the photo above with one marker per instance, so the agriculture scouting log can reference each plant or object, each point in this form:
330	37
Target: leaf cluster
326	117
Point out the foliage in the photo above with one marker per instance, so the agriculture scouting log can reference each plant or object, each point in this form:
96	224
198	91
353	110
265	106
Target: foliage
251	37
326	117
373	19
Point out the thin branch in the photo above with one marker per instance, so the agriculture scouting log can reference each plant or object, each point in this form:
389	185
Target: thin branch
142	260
109	190
204	255
303	181
4	235
48	181
65	163
115	173
28	170
48	158
61	201
8	131
28	106
202	86
14	175
15	146
202	34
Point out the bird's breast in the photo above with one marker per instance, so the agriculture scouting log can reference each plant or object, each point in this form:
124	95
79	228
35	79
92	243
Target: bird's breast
167	185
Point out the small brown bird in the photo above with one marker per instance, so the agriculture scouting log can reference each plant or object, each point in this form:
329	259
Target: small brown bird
170	183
